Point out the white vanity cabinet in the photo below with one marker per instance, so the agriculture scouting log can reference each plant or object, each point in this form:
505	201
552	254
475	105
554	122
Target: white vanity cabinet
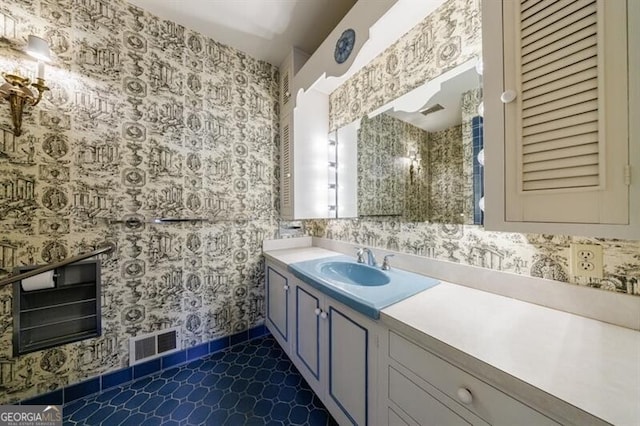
277	294
562	154
448	356
304	126
304	140
305	84
418	387
334	348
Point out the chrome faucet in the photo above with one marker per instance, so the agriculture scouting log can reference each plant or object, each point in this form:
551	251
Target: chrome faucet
371	258
385	263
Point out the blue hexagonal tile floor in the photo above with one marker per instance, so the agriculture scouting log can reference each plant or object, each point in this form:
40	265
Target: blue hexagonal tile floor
253	383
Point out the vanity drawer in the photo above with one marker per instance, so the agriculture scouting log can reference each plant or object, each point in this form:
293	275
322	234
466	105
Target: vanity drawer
471	393
421	406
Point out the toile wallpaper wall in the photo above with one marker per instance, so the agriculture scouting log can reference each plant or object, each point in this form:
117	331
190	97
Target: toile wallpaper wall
384	180
431	186
446	176
446	38
144	119
416	175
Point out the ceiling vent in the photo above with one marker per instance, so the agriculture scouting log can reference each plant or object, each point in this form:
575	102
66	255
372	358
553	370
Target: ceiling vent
148	346
431	109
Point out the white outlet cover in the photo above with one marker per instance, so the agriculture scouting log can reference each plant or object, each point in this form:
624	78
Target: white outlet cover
585	260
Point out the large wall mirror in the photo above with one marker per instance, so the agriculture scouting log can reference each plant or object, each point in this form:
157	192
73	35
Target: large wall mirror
418	158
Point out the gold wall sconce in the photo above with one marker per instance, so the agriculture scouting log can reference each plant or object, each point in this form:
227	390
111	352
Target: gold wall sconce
19	90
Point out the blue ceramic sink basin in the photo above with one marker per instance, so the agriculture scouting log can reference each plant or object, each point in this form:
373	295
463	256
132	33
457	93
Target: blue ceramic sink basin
361	287
354	273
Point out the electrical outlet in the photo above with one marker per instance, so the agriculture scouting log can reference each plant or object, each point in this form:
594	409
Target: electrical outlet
586	260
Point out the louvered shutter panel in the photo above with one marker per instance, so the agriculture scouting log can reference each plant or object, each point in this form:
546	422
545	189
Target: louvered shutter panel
559	49
563	155
286	175
285	87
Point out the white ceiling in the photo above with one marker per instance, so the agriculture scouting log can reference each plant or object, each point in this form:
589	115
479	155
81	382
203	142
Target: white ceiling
265	29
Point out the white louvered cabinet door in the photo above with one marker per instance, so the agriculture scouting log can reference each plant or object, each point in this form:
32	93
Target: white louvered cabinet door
285	89
286	167
565	103
288	69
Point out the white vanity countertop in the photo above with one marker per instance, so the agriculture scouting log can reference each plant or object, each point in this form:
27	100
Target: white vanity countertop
293	255
590	364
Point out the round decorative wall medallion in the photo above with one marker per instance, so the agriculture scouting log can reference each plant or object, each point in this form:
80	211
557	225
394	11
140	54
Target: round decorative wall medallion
344	46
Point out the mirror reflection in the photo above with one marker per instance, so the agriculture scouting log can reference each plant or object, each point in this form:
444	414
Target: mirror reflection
419	157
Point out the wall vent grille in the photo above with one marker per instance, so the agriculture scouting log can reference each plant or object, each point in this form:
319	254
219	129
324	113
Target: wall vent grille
152	345
432	109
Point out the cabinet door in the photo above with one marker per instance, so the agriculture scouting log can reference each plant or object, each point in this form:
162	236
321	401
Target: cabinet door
307	347
286	85
277	312
348	365
288	69
304	159
394	419
556	117
286	167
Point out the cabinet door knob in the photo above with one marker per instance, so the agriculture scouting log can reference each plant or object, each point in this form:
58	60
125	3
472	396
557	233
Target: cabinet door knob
465	396
317	311
286	287
508	96
323	315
